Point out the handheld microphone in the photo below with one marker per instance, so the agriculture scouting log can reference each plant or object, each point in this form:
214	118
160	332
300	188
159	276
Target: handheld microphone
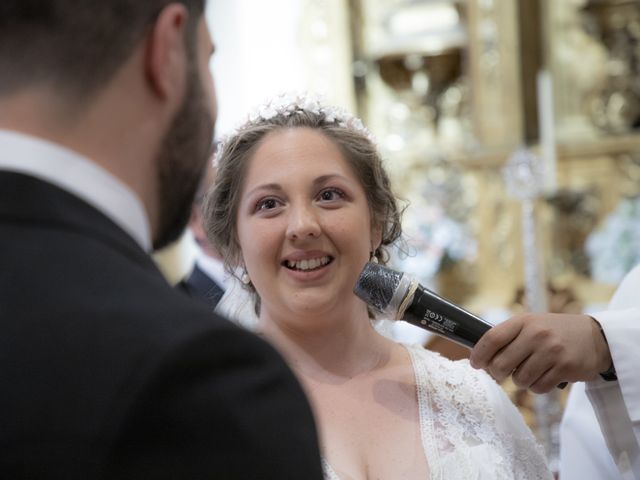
400	297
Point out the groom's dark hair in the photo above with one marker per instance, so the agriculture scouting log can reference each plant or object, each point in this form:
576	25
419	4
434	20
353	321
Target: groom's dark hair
74	46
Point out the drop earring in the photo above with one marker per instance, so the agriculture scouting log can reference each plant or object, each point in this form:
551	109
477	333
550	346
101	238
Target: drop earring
244	278
373	258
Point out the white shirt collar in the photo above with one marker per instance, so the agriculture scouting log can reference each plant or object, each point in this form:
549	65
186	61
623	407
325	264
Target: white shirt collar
214	268
79	176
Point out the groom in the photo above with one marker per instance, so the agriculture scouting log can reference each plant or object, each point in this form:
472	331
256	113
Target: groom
106	118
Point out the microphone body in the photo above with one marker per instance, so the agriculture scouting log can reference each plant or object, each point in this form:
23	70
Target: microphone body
430	311
400	297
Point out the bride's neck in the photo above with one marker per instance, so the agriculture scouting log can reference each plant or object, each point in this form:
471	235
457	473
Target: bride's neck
342	349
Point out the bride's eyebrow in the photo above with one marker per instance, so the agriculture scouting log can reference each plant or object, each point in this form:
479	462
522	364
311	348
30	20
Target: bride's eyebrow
266	186
325	178
277	187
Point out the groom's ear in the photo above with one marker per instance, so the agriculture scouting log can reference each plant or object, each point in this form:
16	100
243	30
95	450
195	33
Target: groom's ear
165	53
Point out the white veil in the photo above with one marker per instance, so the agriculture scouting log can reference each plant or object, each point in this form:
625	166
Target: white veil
237	305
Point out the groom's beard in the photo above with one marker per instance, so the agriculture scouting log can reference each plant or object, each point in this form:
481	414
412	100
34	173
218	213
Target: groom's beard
183	157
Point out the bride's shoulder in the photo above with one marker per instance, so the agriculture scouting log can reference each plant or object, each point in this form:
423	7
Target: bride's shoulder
449	374
434	359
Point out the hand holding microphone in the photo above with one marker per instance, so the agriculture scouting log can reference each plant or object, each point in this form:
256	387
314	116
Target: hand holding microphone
400	297
540	350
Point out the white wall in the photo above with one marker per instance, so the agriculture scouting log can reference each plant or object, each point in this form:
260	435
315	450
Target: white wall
255	53
265	47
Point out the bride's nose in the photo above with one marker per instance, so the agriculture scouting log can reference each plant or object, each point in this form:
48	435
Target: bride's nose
303	222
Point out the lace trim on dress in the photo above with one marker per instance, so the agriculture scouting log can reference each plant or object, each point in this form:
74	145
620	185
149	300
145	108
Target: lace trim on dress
463	439
427	428
461	435
329	473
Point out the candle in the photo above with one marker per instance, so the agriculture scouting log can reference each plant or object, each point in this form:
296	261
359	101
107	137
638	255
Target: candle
546	129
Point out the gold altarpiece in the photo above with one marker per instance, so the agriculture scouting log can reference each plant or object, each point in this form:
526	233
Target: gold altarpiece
452	89
449	88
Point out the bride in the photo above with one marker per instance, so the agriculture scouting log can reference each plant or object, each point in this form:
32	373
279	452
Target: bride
301	202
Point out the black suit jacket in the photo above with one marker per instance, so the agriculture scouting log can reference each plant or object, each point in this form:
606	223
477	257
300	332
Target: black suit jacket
202	287
108	372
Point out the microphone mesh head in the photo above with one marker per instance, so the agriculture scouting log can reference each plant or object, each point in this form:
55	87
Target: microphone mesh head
377	285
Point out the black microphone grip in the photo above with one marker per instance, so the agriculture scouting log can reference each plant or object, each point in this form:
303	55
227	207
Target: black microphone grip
431	312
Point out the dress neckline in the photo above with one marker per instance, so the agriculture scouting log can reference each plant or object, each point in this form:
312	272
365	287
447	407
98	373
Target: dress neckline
426	423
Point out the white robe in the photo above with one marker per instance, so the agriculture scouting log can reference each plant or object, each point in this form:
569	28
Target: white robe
600	431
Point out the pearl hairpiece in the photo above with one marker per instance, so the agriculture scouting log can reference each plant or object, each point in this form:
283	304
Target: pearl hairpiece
288	104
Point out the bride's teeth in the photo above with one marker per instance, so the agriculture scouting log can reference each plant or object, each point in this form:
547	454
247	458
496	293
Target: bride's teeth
308	264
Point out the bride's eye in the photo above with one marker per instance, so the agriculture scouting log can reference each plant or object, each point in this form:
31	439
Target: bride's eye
331	194
266	204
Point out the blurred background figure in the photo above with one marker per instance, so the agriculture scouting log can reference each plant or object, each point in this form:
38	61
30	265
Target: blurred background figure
207	279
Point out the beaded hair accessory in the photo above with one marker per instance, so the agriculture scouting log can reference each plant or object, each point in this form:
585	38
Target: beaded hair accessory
288	104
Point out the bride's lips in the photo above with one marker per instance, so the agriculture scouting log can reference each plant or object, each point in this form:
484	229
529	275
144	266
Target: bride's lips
307	265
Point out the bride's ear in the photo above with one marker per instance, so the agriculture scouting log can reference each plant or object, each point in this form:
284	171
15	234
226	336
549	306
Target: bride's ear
240	270
237	262
376	238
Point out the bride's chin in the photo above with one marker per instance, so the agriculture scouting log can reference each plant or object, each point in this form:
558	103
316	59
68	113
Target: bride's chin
308	308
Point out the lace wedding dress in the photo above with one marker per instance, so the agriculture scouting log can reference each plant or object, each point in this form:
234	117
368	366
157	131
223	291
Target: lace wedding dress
470	429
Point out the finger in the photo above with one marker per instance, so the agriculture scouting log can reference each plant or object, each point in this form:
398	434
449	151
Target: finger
511	357
548	381
534	337
493	341
531	369
500	368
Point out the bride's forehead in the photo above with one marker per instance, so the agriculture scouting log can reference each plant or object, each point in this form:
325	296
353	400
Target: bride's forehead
295	138
295	152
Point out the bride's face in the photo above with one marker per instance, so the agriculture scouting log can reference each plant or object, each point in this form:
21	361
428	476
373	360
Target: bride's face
304	225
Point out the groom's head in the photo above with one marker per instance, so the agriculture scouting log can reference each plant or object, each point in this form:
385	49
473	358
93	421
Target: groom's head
75	46
117	66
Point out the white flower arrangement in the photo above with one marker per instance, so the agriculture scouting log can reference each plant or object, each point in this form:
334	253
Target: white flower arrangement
287	104
433	238
614	249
